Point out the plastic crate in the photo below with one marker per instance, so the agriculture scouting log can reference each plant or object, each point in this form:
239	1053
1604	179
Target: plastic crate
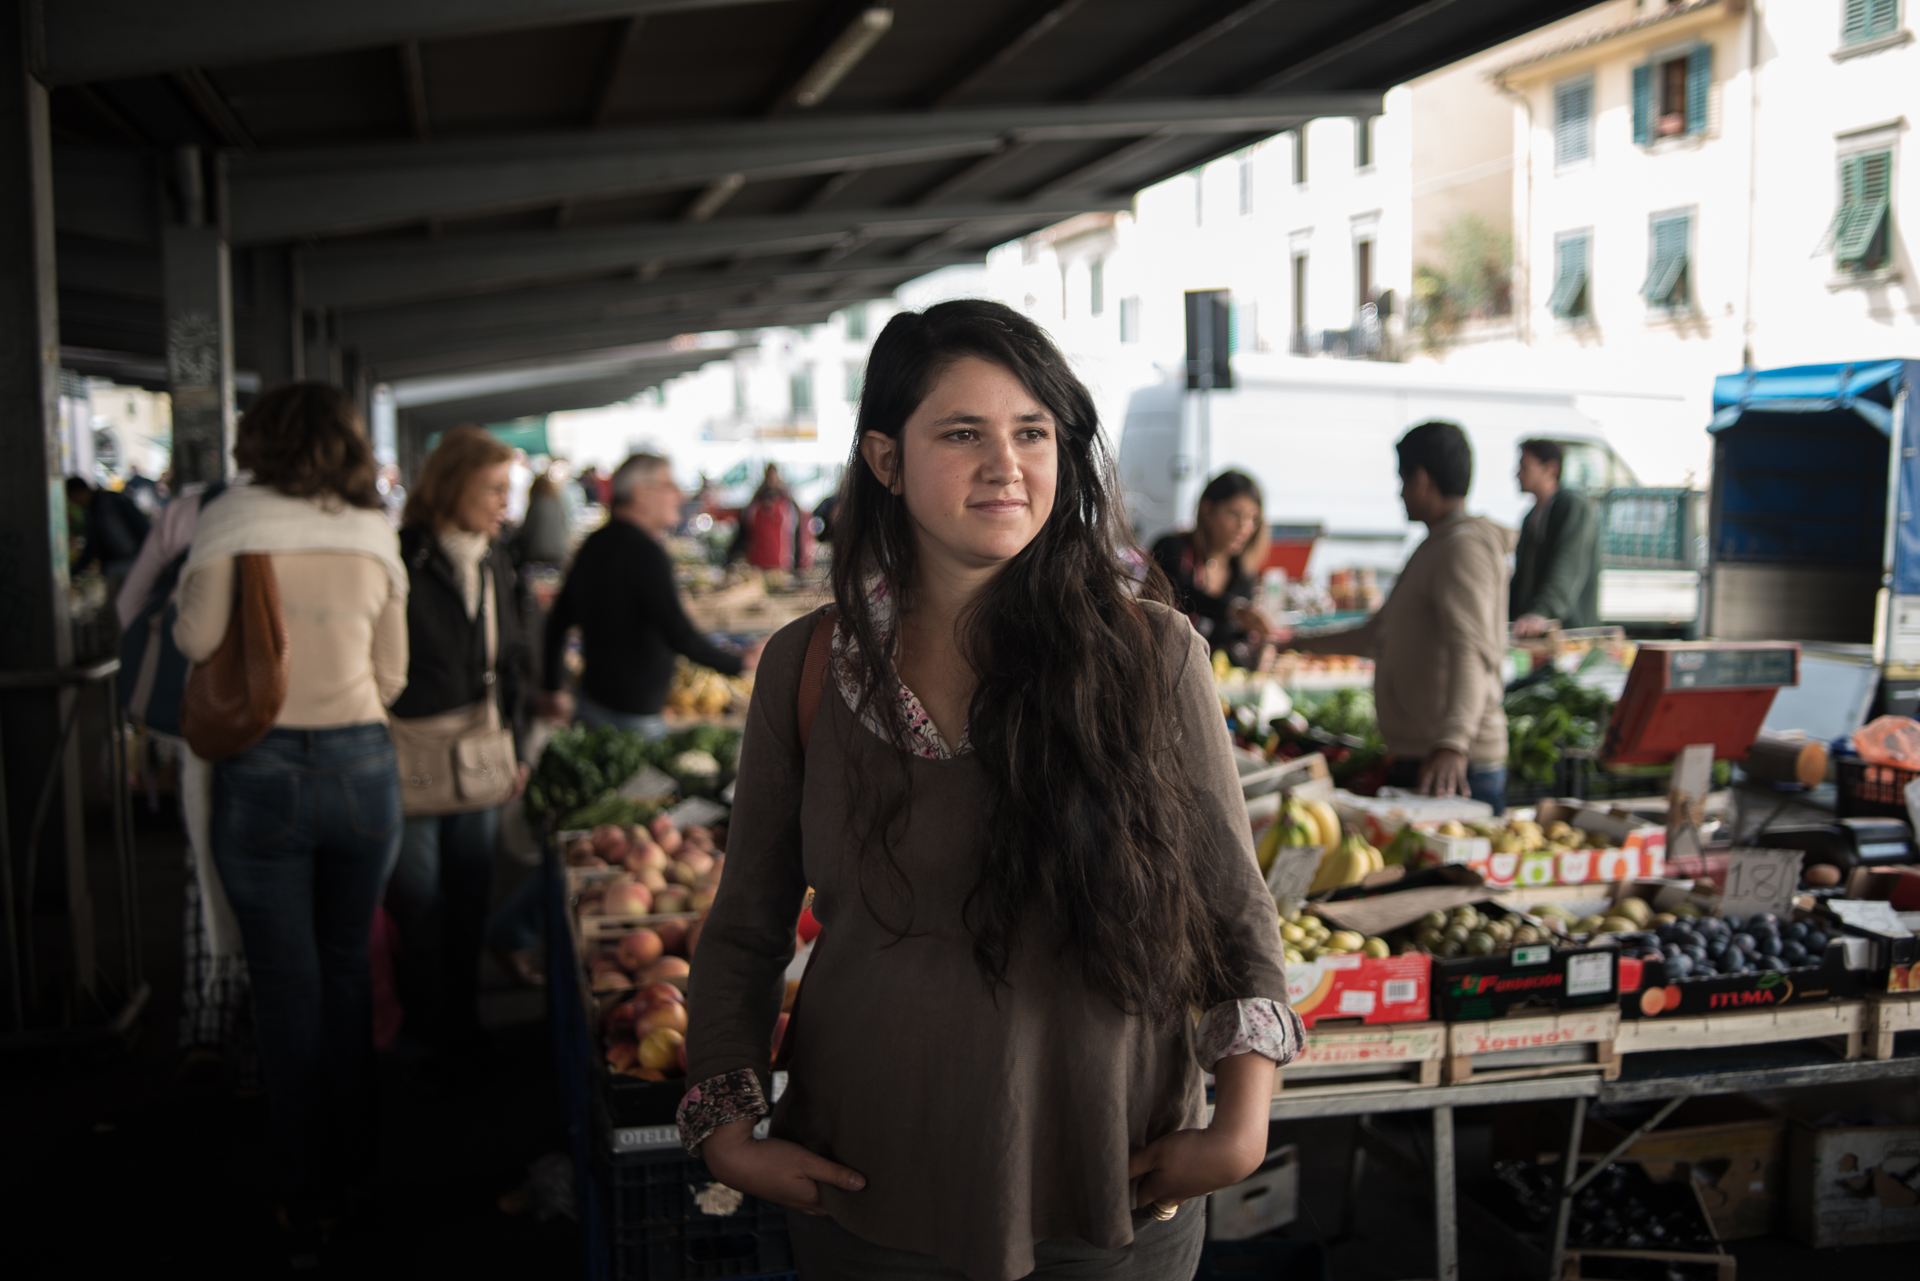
1871	791
661	1226
1646	528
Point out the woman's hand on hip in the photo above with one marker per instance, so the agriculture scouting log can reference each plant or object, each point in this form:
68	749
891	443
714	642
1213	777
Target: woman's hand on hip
773	1169
1189	1163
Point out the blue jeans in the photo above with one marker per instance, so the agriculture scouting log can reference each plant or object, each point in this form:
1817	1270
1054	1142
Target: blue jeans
304	824
646	724
438	896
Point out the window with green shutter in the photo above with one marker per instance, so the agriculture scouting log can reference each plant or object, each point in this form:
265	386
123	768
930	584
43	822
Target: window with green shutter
1858	233
1672	96
1666	283
1863	20
1573	121
1570	296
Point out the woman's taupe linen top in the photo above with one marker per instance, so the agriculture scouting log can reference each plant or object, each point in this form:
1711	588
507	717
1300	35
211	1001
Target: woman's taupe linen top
982	1123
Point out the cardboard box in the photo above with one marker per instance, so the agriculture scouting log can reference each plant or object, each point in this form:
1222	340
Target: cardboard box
1390	989
1853	1164
1645	991
1639	851
1733	1149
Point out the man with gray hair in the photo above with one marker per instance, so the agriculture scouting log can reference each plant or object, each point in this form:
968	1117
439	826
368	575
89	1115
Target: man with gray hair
620	593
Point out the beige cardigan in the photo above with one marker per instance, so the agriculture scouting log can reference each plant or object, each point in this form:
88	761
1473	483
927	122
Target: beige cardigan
346	633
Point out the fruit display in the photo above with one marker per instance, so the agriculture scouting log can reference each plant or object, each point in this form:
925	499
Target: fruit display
1525	836
1308	938
645	1035
1469	930
1300	823
1347	863
1697	947
577	782
1547	717
701	691
662	870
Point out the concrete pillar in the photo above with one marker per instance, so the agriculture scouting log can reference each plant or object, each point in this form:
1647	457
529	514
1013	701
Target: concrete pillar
198	280
275	314
35	634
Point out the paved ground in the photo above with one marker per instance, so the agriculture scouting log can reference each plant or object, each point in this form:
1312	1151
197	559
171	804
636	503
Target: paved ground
126	1166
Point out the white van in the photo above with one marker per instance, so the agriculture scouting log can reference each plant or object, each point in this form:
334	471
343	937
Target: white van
1318	436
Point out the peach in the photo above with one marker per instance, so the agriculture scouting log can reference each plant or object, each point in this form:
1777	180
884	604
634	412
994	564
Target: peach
661	1049
654	879
629	900
658	992
673	936
639	950
660	825
669	1014
682	875
698	860
611	981
666	968
672	899
670	842
606	958
648	854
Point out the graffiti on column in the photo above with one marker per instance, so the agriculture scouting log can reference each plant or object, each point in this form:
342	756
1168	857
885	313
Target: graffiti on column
193	370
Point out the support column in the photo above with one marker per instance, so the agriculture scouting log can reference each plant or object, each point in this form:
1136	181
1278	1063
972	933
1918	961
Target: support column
198	280
35	634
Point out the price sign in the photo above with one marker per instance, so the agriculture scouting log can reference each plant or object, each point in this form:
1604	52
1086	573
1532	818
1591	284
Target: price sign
1760	881
1292	871
1869	914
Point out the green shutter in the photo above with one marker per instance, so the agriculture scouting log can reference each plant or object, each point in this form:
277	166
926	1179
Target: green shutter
1570	284
1699	80
1854	25
1669	262
1572	121
1864	185
1869	19
1643	105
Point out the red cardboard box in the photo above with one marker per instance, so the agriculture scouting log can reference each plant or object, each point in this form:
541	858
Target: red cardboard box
1388	989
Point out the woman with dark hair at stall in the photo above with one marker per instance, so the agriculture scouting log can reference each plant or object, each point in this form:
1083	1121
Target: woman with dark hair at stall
306	820
467	671
1215	567
1017	808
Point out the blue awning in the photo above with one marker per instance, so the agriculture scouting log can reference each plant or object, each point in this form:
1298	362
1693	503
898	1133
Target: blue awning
1868	389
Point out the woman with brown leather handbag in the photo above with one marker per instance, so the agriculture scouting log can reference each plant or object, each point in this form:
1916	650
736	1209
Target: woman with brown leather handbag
306	797
454	728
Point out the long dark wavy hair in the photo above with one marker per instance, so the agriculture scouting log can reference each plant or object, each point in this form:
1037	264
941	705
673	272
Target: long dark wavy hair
1073	719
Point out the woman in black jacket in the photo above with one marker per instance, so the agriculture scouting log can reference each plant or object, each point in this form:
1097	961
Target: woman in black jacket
464	606
1213	568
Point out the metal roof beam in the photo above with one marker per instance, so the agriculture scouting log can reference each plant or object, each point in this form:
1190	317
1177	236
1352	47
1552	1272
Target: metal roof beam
112	39
430	390
532	309
1006	44
291	194
453	265
1170	46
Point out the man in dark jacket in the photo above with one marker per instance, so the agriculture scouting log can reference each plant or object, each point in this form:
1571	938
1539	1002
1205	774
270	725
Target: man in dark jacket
620	593
115	529
1556	575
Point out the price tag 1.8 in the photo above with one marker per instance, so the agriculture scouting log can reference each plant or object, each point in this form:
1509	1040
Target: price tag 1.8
1760	881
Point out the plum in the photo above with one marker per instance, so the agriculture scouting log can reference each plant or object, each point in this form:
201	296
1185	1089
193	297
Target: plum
1794	953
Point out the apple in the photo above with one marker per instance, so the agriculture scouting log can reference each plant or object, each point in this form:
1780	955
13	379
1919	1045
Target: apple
673	936
654	879
672	899
667	967
682	875
660	825
622	1053
648	854
670	842
699	861
661	1049
639	950
669	1014
632	899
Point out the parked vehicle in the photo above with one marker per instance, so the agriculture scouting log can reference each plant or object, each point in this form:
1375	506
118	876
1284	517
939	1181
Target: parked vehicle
1319	436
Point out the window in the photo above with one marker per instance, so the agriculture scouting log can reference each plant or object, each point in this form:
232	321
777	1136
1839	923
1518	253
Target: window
1863	20
1362	273
1858	235
1573	121
1097	287
1246	182
1363	141
1130	319
1572	252
1299	299
856	380
1300	156
857	321
1667	252
800	393
1670	95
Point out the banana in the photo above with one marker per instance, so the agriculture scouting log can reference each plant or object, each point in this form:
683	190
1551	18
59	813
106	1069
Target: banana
1326	820
1270	843
1345	864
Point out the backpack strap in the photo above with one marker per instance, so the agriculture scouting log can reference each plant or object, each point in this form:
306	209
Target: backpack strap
813	674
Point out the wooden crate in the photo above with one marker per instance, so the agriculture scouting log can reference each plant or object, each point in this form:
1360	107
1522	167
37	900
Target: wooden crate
1573	1270
1533	1044
1887	1016
1841	1019
1357	1058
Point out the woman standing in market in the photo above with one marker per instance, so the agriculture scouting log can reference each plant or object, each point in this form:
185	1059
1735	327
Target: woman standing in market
1029	853
468	650
1214	569
306	821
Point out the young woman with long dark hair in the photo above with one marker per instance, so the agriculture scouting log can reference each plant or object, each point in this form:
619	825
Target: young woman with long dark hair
1215	567
1018	812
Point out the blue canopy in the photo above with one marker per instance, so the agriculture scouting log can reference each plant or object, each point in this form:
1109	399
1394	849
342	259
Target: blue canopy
1867	389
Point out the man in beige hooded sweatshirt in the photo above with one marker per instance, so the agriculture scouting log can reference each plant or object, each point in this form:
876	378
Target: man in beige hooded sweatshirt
1438	642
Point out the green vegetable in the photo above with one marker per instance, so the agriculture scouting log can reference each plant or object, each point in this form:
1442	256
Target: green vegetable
608	809
1549	716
